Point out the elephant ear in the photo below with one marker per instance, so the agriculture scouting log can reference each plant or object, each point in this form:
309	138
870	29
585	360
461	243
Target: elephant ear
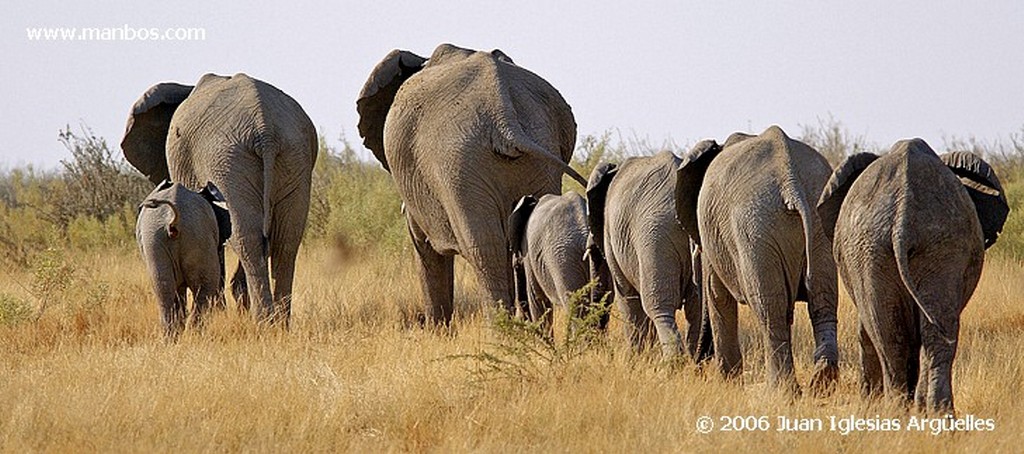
517	223
145	136
985	190
597	196
501	56
689	177
220	210
377	95
838	185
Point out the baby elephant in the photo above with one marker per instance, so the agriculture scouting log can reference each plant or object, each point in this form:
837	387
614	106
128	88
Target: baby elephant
551	255
181	235
910	229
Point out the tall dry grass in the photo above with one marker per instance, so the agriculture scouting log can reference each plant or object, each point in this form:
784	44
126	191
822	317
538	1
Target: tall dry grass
355	373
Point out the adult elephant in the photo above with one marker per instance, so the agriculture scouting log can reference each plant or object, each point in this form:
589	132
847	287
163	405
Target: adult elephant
751	203
910	229
632	216
257	145
464	134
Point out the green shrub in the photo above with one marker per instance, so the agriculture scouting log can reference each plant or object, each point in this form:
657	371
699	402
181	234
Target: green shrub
525	350
1011	241
88	203
13	309
355	203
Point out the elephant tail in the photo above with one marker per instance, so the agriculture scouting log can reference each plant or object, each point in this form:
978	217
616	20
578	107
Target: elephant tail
268	175
514	142
172	227
900	250
511	141
795	199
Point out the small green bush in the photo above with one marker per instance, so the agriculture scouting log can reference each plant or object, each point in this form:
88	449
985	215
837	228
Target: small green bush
13	309
355	203
525	350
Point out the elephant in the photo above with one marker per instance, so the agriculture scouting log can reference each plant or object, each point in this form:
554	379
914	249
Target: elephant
748	205
257	145
464	135
631	212
181	237
909	232
552	257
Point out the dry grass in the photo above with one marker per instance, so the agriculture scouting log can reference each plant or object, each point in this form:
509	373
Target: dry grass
355	374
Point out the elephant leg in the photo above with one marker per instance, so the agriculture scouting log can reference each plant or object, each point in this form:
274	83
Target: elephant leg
207	295
821	308
240	288
775	316
659	295
252	254
769	280
220	302
492	264
637	326
289	223
522	300
935	385
602	293
283	253
181	308
437	281
172	308
694	318
540	305
723	314
886	323
871	368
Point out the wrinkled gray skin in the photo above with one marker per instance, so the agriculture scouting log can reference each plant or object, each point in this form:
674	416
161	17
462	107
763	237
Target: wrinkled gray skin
464	134
181	237
762	244
257	145
633	213
909	243
550	255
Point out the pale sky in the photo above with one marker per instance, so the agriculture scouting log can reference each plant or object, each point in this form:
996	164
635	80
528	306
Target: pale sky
661	70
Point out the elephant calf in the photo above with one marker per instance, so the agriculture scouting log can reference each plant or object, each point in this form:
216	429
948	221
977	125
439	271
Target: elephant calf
632	215
910	229
551	257
181	236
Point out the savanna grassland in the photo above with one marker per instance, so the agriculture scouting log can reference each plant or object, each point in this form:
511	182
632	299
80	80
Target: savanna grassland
84	367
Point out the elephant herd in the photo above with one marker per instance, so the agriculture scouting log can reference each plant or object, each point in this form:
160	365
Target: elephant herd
477	147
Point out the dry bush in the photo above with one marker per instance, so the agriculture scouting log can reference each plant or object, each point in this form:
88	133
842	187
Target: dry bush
834	141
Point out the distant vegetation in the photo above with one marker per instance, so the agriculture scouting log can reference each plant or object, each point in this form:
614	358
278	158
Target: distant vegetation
91	200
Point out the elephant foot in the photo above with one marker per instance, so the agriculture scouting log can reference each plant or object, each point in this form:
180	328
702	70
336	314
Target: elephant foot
671	351
824	378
